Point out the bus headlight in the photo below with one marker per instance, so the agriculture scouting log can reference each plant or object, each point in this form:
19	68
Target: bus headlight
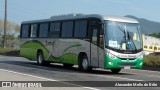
111	55
141	63
141	56
110	63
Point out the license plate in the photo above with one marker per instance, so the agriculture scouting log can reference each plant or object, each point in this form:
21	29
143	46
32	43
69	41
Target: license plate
127	67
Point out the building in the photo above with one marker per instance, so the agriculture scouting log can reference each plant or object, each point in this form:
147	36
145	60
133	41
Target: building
151	44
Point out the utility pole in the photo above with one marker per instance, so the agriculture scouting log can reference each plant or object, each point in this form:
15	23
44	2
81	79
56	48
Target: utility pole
5	24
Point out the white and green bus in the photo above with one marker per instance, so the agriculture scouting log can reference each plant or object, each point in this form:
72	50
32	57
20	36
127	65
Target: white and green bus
89	41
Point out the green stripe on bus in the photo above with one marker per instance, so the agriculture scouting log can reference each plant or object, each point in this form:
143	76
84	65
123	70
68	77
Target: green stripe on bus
29	50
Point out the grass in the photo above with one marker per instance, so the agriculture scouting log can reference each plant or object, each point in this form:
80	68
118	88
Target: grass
151	60
9	51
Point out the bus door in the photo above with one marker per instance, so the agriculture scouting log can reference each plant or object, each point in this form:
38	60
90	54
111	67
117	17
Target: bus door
94	45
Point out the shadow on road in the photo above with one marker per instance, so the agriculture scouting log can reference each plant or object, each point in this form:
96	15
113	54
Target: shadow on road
54	67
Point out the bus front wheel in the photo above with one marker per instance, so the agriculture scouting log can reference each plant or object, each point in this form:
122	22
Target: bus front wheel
115	70
84	64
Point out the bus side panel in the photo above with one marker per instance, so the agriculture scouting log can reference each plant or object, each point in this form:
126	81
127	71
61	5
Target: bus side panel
29	49
101	57
69	50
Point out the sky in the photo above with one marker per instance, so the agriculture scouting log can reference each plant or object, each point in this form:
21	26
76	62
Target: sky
24	10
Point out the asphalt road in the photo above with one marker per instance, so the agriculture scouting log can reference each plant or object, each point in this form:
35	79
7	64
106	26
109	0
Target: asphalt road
22	69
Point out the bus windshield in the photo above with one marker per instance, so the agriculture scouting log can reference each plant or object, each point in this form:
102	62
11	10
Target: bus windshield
123	36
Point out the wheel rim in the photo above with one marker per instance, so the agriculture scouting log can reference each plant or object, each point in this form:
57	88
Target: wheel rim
40	59
85	63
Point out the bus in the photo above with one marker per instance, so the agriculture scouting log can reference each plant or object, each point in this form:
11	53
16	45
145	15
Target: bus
89	41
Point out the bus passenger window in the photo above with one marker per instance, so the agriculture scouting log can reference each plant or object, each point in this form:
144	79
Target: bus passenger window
43	30
80	29
55	30
25	31
94	36
34	28
67	29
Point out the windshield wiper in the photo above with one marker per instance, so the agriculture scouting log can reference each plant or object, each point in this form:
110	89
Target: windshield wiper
127	34
120	28
129	37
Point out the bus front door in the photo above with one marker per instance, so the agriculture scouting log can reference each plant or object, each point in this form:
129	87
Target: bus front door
94	47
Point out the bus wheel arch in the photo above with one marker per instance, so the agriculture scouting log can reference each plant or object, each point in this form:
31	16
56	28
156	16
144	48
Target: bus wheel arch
83	62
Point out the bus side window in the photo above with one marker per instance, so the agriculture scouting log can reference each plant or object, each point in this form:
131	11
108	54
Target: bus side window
80	29
101	43
25	31
94	36
96	24
43	30
67	29
34	29
55	30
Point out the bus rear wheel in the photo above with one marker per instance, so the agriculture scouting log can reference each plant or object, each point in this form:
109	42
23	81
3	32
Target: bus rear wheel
67	65
40	59
115	70
84	64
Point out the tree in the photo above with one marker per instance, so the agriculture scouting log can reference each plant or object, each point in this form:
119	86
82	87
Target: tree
12	33
157	35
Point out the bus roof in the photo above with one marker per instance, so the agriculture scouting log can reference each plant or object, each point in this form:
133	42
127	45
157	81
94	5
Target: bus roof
81	16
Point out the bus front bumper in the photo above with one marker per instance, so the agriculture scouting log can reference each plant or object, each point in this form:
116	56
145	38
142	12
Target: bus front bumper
114	63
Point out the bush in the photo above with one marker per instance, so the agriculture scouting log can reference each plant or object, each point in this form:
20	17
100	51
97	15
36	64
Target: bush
151	60
9	51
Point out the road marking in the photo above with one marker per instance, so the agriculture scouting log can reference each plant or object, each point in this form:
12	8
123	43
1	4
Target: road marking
132	73
121	78
145	70
142	74
47	79
27	75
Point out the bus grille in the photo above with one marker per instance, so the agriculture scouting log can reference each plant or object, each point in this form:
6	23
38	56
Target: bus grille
127	64
127	58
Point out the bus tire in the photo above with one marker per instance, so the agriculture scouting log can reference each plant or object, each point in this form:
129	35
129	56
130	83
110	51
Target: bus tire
68	65
84	64
115	70
40	58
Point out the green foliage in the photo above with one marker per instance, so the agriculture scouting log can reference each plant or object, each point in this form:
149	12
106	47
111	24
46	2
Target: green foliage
157	35
9	51
151	60
11	27
12	31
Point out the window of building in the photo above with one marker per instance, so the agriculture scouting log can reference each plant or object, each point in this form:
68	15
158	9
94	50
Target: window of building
150	47
34	28
80	28
55	30
145	47
155	48
43	30
67	29
25	31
